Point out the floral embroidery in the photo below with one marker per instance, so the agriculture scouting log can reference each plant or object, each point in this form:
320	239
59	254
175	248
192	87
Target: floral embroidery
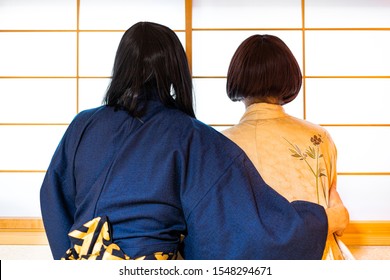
312	152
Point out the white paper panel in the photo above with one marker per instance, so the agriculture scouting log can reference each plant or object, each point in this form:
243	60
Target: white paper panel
92	92
347	13
213	50
121	14
37	100
221	127
347	53
38	14
97	52
247	14
362	149
182	38
22	194
348	101
213	106
38	54
366	197
28	147
295	107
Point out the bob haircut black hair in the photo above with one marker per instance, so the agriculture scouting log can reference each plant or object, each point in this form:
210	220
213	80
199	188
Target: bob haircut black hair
150	63
263	67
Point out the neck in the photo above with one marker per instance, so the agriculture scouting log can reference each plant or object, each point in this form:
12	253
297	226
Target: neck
250	100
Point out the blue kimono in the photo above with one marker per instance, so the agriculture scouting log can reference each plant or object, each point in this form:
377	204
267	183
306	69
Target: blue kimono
166	175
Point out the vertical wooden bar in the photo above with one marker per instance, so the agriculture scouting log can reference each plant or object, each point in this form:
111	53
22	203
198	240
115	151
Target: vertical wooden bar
303	59
188	23
77	54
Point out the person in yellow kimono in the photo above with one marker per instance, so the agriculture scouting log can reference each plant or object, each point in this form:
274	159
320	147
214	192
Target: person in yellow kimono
295	157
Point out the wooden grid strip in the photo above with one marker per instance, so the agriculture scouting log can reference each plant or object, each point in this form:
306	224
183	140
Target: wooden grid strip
30	231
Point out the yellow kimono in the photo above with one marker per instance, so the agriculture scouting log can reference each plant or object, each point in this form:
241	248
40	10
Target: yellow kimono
295	157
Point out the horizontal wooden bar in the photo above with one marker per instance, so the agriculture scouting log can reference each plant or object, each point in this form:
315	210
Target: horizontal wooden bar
358	124
23	238
364	174
22	231
34	124
216	125
359	233
56	77
336	125
195	77
21	223
346	77
209	29
68	30
248	29
30	231
338	173
347	28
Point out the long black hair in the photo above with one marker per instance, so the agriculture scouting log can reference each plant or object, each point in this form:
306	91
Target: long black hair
150	63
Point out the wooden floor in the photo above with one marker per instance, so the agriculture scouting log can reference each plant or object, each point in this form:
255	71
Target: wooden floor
370	252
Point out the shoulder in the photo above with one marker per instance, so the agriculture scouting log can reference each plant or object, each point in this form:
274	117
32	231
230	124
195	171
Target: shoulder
85	115
231	131
239	132
197	141
312	131
310	126
217	142
81	121
103	116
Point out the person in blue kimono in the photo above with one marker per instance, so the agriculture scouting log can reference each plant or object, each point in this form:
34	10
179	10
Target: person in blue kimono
156	182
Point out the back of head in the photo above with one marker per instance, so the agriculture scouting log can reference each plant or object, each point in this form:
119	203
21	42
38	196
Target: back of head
263	68
150	63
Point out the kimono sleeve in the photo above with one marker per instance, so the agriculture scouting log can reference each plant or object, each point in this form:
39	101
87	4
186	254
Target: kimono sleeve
57	196
241	217
331	159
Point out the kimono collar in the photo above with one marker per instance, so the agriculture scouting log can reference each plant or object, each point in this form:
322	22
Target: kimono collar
263	111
